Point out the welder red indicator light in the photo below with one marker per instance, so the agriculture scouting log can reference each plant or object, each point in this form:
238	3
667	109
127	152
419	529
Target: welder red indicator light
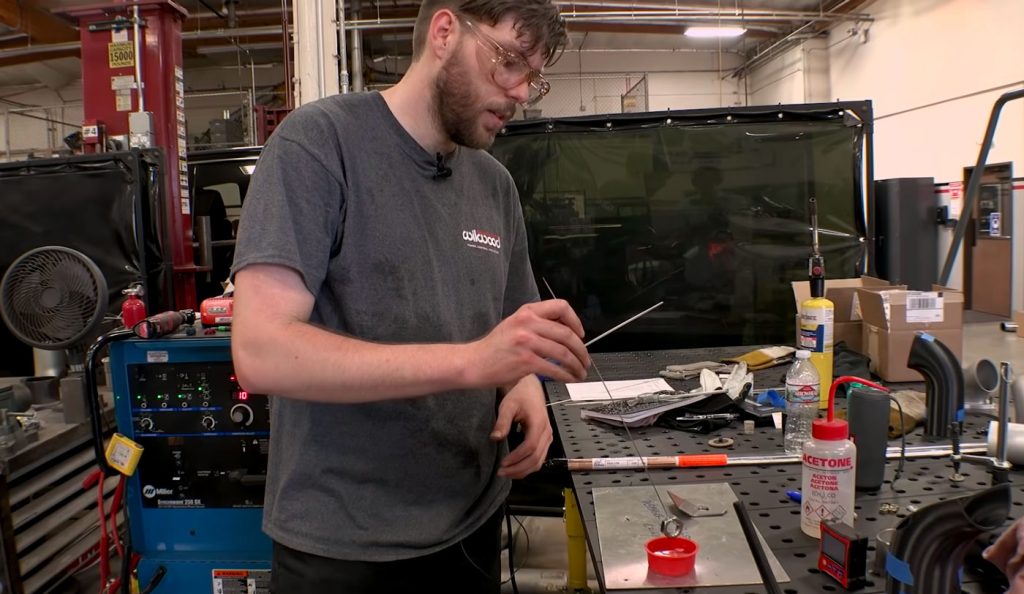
843	555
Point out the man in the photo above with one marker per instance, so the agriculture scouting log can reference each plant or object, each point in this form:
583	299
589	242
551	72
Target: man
382	293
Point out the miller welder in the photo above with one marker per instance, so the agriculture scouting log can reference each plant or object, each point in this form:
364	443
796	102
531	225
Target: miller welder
195	500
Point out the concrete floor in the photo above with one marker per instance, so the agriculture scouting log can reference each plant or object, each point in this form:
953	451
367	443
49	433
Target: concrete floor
541	553
985	339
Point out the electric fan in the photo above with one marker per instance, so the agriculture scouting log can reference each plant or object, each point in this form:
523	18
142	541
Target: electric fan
53	298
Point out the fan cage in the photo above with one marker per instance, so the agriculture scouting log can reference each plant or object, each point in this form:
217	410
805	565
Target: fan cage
53	297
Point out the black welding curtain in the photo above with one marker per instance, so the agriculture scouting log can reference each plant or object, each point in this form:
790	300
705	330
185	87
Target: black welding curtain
706	211
100	206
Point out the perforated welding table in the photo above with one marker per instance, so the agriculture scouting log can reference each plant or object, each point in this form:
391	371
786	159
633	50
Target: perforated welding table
761	488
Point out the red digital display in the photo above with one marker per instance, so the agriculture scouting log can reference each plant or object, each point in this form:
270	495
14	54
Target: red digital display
242	395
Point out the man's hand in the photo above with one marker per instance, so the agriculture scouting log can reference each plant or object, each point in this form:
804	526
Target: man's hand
524	404
543	338
1008	555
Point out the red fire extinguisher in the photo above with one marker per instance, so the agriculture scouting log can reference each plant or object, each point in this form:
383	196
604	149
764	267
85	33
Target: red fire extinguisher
133	310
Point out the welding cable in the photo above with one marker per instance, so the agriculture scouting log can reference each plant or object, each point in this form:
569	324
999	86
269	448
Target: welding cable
115	504
97	475
903	444
158	577
511	551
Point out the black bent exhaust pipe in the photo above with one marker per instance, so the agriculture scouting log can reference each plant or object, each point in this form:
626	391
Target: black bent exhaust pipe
944	385
929	546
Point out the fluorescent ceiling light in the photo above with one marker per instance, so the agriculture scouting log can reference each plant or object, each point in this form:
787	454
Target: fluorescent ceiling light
714	31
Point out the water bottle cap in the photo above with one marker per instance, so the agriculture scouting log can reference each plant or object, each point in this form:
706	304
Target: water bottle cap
803	355
834	430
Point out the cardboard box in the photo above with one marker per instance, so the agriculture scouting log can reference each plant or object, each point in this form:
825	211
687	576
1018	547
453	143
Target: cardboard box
892	318
843	293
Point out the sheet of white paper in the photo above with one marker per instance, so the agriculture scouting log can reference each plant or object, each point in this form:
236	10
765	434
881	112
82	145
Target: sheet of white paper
620	389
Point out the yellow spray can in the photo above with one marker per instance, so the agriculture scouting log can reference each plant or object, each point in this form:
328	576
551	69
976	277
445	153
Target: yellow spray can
817	314
817	323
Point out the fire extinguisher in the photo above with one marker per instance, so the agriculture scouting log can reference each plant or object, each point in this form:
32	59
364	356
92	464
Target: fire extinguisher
133	310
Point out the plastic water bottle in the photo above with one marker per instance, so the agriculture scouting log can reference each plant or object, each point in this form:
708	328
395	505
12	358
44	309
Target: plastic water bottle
802	389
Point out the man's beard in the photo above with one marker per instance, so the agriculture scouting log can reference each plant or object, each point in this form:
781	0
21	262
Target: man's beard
457	107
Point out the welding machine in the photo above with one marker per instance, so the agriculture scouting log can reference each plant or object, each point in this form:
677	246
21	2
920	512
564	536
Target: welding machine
195	501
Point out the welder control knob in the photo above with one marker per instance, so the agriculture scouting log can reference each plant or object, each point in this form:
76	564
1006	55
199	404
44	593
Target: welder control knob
208	423
242	414
146	424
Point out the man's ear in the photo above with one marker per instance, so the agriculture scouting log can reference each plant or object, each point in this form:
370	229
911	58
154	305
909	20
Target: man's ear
443	33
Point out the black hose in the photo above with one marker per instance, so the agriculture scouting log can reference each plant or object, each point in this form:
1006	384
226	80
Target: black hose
928	547
93	395
944	384
760	559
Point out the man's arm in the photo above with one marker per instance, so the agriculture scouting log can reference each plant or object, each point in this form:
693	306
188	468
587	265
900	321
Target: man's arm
277	351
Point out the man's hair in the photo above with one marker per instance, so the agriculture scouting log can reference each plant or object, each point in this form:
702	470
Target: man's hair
537	20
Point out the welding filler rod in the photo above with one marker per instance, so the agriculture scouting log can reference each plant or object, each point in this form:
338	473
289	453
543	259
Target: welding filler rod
639	315
633	462
711	460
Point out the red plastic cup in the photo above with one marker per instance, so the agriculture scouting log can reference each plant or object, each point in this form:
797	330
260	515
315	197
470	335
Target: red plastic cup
671	555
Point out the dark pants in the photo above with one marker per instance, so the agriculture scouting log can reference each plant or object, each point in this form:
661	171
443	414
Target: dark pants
472	566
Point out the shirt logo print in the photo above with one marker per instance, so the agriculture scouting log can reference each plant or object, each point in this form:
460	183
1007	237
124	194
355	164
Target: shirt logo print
482	240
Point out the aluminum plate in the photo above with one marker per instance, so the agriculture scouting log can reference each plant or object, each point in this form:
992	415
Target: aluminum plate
627	517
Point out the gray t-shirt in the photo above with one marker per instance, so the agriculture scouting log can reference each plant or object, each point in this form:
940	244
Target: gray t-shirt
345	196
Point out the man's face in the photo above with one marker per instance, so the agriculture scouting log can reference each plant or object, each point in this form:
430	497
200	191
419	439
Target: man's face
471	106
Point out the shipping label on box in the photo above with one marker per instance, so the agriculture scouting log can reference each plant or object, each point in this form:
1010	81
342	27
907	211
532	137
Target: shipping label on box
924	307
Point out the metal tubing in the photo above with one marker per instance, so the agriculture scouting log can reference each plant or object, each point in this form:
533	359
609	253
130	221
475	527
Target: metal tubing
761	55
357	52
137	30
289	99
342	49
749	13
891	453
1005	377
974	183
203	234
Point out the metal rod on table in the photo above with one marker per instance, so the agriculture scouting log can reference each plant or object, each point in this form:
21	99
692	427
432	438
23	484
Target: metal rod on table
711	460
606	333
1005	377
754	542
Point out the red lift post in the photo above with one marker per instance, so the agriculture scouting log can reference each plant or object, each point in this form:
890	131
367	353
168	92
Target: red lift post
111	101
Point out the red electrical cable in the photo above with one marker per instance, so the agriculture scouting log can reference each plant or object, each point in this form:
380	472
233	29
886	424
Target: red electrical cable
847	379
115	505
96	476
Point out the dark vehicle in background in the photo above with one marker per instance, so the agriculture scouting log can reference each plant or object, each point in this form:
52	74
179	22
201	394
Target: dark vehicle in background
218	180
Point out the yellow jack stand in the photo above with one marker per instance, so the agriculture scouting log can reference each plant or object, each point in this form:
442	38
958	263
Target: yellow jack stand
577	578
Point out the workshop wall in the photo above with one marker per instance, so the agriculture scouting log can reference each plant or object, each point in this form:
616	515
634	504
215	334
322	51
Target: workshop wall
798	75
39	129
933	69
592	82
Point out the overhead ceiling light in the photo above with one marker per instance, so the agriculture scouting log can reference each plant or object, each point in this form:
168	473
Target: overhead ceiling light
707	32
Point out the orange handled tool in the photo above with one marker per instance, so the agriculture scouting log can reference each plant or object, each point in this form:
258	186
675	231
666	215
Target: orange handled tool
633	462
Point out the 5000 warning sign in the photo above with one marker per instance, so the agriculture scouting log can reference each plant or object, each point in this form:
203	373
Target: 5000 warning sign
121	54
